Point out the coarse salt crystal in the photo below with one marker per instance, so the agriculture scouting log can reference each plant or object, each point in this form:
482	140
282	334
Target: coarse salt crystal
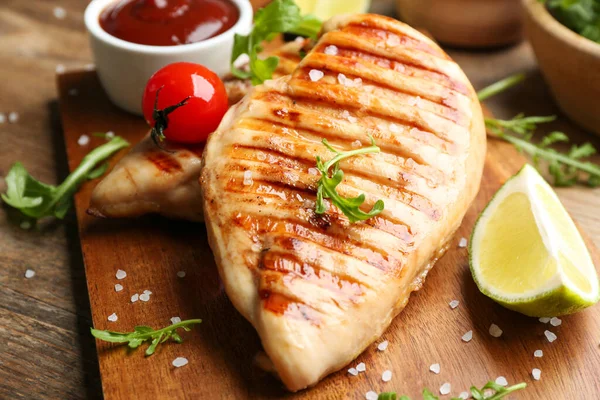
555	321
538	353
394	128
495	330
2	118
463	395
109	135
386	376
356	144
501	381
361	367
342	79
25	225
544	320
313	171
144	297
29	273
121	274
73	92
261	156
315	75
248	178
112	317
393	41
175	320
445	388
135	298
371	395
349	117
181	274
83	140
550	336
13	117
331	50
536	373
60	69
353	371
462	243
467	336
299	198
180	362
453	304
147	292
435	368
118	287
59	13
383	345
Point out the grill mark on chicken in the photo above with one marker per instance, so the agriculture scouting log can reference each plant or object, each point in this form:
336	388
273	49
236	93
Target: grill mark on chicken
283	305
398	38
164	162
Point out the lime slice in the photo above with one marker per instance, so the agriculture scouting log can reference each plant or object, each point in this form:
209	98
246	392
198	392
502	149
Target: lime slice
325	9
526	253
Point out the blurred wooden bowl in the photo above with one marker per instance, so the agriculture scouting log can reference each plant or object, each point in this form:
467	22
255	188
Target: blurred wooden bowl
466	23
569	62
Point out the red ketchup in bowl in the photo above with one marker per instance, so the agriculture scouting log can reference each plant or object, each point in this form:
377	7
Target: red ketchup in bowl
168	22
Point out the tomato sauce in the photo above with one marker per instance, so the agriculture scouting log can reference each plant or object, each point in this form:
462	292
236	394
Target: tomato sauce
168	22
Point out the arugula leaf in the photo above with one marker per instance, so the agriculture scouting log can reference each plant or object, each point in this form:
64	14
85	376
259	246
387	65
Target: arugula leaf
280	16
144	333
565	168
37	200
581	16
327	185
478	394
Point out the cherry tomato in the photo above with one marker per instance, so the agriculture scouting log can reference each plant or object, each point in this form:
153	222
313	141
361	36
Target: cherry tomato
199	115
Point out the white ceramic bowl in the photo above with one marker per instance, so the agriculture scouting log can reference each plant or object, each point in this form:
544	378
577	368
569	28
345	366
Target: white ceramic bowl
124	68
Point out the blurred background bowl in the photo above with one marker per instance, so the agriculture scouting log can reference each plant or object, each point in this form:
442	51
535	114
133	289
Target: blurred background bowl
466	23
569	62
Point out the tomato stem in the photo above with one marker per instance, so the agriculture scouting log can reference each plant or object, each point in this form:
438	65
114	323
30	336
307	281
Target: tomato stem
161	119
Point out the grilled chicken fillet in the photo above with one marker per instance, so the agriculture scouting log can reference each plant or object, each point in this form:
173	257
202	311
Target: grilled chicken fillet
150	180
318	289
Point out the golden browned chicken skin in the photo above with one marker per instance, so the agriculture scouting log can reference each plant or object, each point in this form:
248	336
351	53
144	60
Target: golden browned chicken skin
317	288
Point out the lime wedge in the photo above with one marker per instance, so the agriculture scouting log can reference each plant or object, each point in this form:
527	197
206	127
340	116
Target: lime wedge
325	9
526	253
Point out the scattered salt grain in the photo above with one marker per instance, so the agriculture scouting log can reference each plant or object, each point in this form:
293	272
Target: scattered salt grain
555	321
393	41
463	395
350	118
356	144
59	13
147	292
83	140
538	353
467	336
73	92
175	320
144	297
180	362
29	273
386	376
501	381
361	367
342	79
544	320
371	395
353	371
2	118
550	336
118	287
315	75
536	373
462	243
13	117
60	69
495	330
109	135
445	388
121	274
394	128
135	298
112	317
248	178
25	225
181	274
453	304
331	50
383	345
435	368
313	171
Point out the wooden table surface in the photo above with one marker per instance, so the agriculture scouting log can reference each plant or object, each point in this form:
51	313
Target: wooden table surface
46	351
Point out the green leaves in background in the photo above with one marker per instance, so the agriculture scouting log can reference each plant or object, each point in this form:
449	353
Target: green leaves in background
581	16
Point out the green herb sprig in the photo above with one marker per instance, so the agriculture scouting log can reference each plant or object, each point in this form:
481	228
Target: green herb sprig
37	200
478	394
581	16
144	333
280	16
327	185
567	168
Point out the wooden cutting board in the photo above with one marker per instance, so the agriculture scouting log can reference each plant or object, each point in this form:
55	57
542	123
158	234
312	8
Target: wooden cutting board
221	350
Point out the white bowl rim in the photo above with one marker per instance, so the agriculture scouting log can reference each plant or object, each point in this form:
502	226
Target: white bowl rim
92	23
540	14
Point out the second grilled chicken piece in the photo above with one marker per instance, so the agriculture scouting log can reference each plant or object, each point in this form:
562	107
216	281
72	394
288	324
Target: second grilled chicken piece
150	180
318	289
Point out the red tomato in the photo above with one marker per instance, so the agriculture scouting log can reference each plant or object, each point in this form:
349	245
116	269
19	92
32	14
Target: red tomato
202	112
